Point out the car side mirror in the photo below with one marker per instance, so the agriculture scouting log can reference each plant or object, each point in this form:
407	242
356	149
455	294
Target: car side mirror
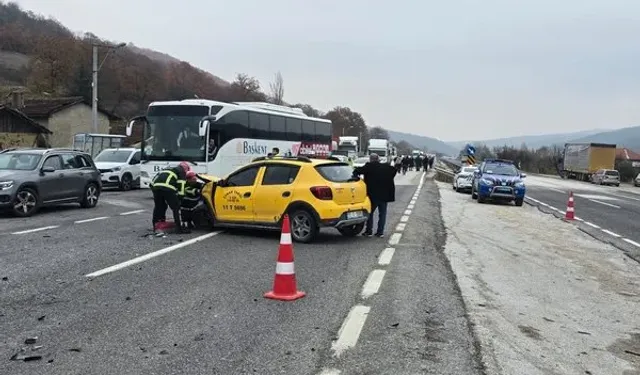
48	169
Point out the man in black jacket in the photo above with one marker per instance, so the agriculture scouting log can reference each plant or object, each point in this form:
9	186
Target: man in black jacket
381	189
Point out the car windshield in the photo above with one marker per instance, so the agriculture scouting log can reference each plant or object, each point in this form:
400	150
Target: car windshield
335	172
500	168
19	162
611	173
112	156
172	133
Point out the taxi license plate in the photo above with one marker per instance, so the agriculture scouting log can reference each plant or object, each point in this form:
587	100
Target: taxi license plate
354	214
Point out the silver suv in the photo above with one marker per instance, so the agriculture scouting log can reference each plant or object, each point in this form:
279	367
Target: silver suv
606	177
33	178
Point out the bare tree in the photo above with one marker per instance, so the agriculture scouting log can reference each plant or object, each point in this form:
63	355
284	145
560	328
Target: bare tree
277	89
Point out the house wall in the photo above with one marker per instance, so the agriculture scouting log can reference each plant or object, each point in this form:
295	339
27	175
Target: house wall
14	132
8	140
72	120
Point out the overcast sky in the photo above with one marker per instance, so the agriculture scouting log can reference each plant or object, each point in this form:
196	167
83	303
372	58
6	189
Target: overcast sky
452	70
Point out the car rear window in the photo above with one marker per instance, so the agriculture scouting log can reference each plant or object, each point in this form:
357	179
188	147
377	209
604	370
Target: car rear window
338	172
611	173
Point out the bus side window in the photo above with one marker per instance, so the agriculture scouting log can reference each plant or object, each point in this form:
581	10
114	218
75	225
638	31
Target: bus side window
258	125
308	131
294	129
277	127
324	132
237	124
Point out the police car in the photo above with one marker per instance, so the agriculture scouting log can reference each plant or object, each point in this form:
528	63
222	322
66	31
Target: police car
498	180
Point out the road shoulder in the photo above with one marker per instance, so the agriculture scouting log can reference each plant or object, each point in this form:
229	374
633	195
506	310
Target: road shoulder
543	296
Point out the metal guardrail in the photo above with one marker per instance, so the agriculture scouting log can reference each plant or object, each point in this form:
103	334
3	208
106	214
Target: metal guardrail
443	174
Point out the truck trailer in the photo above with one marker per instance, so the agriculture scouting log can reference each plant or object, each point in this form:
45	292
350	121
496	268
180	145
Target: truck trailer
581	160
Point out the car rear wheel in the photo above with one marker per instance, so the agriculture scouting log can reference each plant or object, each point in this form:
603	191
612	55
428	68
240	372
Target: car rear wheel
91	195
304	227
351	230
519	202
25	203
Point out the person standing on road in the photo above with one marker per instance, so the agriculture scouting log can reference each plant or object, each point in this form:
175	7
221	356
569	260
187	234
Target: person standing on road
168	188
381	189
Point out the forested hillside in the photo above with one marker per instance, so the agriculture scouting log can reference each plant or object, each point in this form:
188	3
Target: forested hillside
50	60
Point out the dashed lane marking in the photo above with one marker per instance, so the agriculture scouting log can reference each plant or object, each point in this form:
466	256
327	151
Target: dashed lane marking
407	212
400	227
351	329
131	212
411	207
36	229
386	256
413	201
395	238
404	218
604	203
330	371
149	256
90	220
372	285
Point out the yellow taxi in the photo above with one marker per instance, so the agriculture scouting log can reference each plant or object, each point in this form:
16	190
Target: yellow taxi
315	193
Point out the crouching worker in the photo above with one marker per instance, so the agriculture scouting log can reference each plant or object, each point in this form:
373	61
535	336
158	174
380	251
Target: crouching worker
167	187
192	200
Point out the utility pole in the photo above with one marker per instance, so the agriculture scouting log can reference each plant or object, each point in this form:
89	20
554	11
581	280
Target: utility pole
94	84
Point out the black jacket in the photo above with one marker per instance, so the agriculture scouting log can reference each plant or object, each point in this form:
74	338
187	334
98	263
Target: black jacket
379	178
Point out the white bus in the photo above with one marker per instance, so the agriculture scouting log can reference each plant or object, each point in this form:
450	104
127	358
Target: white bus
217	137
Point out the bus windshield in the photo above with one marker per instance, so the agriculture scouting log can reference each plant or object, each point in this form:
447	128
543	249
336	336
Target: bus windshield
172	133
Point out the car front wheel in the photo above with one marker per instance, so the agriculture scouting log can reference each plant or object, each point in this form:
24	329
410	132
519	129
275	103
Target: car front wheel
519	202
25	203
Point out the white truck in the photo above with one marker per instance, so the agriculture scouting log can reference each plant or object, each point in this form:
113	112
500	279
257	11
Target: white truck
380	147
348	146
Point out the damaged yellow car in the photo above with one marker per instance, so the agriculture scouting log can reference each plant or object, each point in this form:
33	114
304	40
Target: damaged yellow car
315	193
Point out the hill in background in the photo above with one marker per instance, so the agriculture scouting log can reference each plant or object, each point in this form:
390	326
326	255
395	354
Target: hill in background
626	137
532	141
422	142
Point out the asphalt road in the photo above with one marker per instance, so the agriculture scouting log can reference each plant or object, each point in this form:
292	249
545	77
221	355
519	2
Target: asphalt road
615	211
197	307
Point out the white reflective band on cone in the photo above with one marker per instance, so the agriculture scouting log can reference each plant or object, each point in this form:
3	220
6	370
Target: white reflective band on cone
285	239
569	209
284	268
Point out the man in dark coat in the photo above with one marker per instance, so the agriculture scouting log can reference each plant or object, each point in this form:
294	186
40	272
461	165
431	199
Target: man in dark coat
381	189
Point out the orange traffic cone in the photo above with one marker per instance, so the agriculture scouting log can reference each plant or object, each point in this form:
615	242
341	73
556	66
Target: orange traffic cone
570	213
284	284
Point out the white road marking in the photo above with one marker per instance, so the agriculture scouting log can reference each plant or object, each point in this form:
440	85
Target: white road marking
36	229
330	371
611	233
411	206
604	203
413	201
146	257
395	238
634	243
131	212
372	285
592	225
404	219
400	227
598	197
407	212
557	190
90	220
386	256
351	329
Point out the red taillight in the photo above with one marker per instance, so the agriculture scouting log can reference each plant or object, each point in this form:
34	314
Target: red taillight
322	192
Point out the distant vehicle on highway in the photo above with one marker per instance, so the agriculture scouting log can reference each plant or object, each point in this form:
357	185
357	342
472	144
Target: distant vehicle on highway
500	180
235	133
582	160
636	181
34	178
314	193
119	167
359	162
606	177
462	181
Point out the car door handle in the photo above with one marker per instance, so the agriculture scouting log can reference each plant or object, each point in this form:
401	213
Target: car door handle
247	195
286	194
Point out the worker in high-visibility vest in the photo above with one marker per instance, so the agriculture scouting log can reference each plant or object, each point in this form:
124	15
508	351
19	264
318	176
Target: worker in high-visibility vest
168	188
192	199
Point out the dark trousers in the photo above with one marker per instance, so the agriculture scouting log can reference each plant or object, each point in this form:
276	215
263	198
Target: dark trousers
164	198
381	207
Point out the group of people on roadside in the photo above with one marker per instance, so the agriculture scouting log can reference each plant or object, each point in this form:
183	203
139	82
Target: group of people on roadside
406	163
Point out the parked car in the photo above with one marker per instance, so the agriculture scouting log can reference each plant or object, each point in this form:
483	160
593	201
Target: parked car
33	178
500	180
636	181
463	179
606	177
119	167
